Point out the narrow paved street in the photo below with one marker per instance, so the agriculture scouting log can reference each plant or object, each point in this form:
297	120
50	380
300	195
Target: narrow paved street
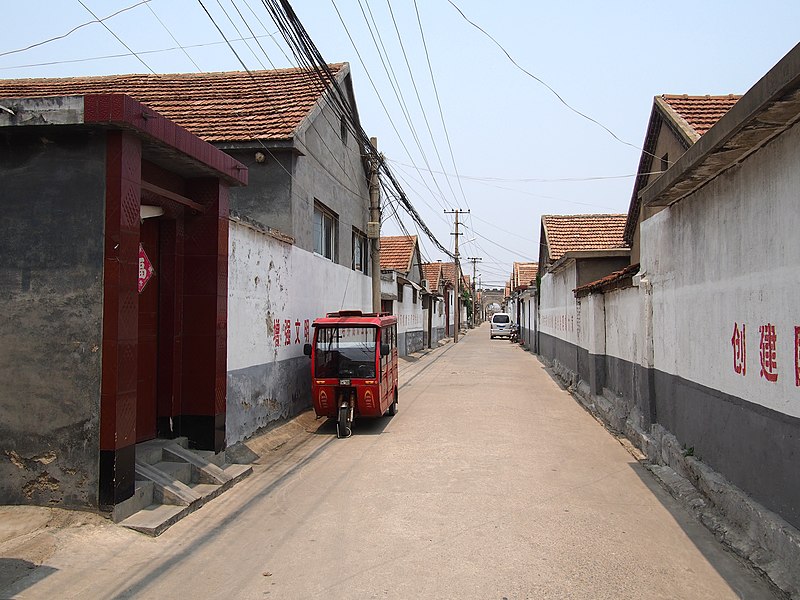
491	482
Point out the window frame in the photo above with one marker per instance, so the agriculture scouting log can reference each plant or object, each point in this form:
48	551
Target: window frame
327	242
365	257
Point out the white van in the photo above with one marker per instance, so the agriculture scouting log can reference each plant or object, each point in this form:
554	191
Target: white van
500	325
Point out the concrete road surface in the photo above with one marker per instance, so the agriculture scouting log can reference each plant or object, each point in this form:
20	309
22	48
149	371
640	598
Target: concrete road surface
491	482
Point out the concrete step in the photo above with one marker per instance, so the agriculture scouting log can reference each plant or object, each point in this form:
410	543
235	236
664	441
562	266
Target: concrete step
179	481
151	451
215	458
142	497
182	471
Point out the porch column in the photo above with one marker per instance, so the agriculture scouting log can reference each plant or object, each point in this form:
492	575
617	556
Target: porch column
120	319
205	320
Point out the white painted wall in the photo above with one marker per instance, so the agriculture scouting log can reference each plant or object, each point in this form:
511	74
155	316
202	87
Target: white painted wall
624	325
409	314
730	255
274	284
271	280
558	306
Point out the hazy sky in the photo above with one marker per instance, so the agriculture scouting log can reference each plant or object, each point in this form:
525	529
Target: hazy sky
518	149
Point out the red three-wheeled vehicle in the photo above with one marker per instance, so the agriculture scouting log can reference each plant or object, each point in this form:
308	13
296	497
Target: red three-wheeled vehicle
353	367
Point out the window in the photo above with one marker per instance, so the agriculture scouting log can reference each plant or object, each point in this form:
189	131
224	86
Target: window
343	129
360	252
345	352
413	295
326	225
665	161
386	306
399	292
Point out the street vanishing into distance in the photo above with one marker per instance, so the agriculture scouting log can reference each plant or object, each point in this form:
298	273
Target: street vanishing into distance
490	482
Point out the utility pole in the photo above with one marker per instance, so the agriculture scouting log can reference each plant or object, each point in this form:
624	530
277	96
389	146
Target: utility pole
374	227
457	302
474	260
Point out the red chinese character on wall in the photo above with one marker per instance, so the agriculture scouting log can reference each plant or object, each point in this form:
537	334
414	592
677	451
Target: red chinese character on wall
738	342
797	355
307	331
768	351
276	332
287	332
297	332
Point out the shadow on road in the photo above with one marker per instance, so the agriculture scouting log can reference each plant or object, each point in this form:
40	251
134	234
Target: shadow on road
14	569
360	426
739	575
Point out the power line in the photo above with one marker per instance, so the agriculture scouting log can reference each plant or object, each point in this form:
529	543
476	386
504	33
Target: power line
74	29
128	48
304	49
419	100
541	81
123	55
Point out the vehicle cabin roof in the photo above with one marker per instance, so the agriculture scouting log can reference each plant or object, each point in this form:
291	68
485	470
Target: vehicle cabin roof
565	233
232	106
354	318
397	252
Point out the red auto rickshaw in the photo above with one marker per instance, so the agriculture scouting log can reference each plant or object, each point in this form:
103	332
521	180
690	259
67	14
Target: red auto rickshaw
353	367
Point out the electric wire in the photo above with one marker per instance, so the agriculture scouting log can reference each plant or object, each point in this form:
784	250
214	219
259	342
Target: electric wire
74	29
419	99
301	44
173	37
102	22
122	55
541	81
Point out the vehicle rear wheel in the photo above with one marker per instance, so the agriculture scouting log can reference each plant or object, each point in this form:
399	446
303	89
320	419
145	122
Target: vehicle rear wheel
343	425
393	406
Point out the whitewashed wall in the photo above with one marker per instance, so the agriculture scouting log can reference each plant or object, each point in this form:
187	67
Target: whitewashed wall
558	306
727	258
276	288
409	314
624	325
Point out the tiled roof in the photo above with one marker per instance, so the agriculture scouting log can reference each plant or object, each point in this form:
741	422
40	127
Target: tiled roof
524	273
232	106
609	282
432	272
700	112
397	252
449	274
565	233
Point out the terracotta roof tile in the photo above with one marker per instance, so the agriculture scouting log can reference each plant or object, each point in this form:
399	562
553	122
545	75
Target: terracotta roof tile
609	282
524	274
432	272
218	107
397	252
701	112
565	233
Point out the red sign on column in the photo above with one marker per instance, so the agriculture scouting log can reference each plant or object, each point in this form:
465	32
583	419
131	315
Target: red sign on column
146	270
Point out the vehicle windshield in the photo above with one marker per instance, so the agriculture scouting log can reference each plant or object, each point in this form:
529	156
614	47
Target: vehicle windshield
345	352
500	319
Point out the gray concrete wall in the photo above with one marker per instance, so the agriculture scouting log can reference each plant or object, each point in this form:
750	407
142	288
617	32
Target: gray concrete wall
267	393
51	276
331	172
592	269
267	198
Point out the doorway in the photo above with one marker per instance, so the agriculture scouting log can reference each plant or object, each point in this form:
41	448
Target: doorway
147	366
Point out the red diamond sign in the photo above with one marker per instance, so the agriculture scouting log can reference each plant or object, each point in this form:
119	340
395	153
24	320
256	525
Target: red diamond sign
146	270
